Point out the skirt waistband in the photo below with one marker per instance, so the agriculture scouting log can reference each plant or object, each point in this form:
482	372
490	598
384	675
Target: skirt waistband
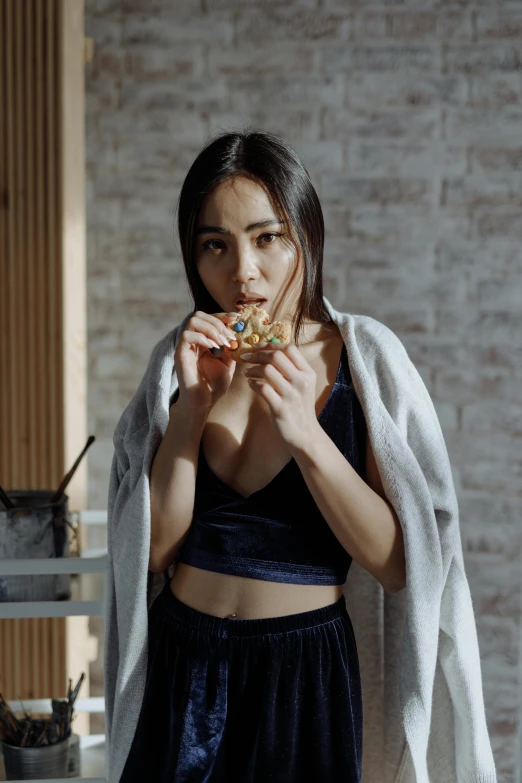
248	627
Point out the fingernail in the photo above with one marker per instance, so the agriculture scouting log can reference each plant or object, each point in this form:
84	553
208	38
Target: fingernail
247	356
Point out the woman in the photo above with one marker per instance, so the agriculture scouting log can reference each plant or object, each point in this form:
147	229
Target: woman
260	488
285	696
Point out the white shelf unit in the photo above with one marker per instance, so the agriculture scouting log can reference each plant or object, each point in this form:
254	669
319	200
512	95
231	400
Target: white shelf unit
92	561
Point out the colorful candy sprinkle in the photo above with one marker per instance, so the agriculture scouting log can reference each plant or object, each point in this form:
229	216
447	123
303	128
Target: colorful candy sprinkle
275	340
238	326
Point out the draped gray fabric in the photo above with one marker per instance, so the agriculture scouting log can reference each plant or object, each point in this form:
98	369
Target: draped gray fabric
424	717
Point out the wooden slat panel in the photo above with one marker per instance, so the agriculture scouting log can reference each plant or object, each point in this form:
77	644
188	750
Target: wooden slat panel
43	396
33	650
31	409
4	291
32	377
26	669
20	336
8	442
54	299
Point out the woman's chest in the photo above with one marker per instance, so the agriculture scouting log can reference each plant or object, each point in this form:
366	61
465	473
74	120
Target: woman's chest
239	443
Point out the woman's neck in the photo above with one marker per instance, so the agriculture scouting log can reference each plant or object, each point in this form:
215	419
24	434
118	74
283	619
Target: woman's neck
314	332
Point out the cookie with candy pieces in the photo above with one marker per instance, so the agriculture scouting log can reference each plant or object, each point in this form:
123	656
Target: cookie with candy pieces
252	327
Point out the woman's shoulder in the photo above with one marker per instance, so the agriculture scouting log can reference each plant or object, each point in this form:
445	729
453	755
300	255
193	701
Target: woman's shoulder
374	340
137	412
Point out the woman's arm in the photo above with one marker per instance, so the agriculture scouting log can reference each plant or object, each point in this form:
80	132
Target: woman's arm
172	485
360	517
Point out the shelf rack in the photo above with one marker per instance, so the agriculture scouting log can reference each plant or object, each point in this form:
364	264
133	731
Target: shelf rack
92	561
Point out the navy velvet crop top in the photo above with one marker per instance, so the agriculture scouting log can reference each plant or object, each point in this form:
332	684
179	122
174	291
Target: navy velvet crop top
277	533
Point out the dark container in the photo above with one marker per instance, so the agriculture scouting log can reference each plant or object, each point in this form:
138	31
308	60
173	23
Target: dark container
34	528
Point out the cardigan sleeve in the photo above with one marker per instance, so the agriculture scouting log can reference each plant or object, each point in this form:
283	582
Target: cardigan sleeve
111	644
441	622
126	466
111	654
407	420
460	662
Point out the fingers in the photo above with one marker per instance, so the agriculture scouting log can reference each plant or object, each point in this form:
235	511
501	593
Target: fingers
227	318
277	377
210	325
231	316
284	367
280	355
198	338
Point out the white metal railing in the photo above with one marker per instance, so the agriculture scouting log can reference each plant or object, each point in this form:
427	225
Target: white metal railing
92	747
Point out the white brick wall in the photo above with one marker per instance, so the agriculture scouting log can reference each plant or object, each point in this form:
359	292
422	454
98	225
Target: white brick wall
408	116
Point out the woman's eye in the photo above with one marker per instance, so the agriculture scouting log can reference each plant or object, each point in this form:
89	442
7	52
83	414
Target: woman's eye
208	244
269	235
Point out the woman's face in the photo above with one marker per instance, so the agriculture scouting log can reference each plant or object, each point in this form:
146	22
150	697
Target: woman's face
235	256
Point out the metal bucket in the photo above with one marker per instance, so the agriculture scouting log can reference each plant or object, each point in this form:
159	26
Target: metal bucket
49	761
34	528
74	769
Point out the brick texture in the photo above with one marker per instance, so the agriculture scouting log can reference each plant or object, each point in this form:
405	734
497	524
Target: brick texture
408	116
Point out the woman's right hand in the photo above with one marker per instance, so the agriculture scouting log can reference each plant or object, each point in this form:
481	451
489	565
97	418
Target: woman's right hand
203	378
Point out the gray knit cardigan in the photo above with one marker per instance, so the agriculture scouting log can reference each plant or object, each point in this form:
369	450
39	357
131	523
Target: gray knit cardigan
423	710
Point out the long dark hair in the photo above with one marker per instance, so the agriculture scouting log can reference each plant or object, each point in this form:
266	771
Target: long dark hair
270	161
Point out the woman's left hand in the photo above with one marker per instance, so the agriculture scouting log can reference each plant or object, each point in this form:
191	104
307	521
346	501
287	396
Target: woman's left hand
283	378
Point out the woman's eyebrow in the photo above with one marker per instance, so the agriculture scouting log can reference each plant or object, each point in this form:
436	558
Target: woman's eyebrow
220	230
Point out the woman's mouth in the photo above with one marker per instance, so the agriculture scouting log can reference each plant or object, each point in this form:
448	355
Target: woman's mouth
241	305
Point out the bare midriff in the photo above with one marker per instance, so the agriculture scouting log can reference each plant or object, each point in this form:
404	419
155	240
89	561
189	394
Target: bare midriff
222	595
247	459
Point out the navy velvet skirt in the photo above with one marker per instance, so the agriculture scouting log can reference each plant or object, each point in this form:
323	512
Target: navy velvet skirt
248	701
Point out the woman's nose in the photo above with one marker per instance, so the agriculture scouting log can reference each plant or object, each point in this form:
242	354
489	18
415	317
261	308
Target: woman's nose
244	265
